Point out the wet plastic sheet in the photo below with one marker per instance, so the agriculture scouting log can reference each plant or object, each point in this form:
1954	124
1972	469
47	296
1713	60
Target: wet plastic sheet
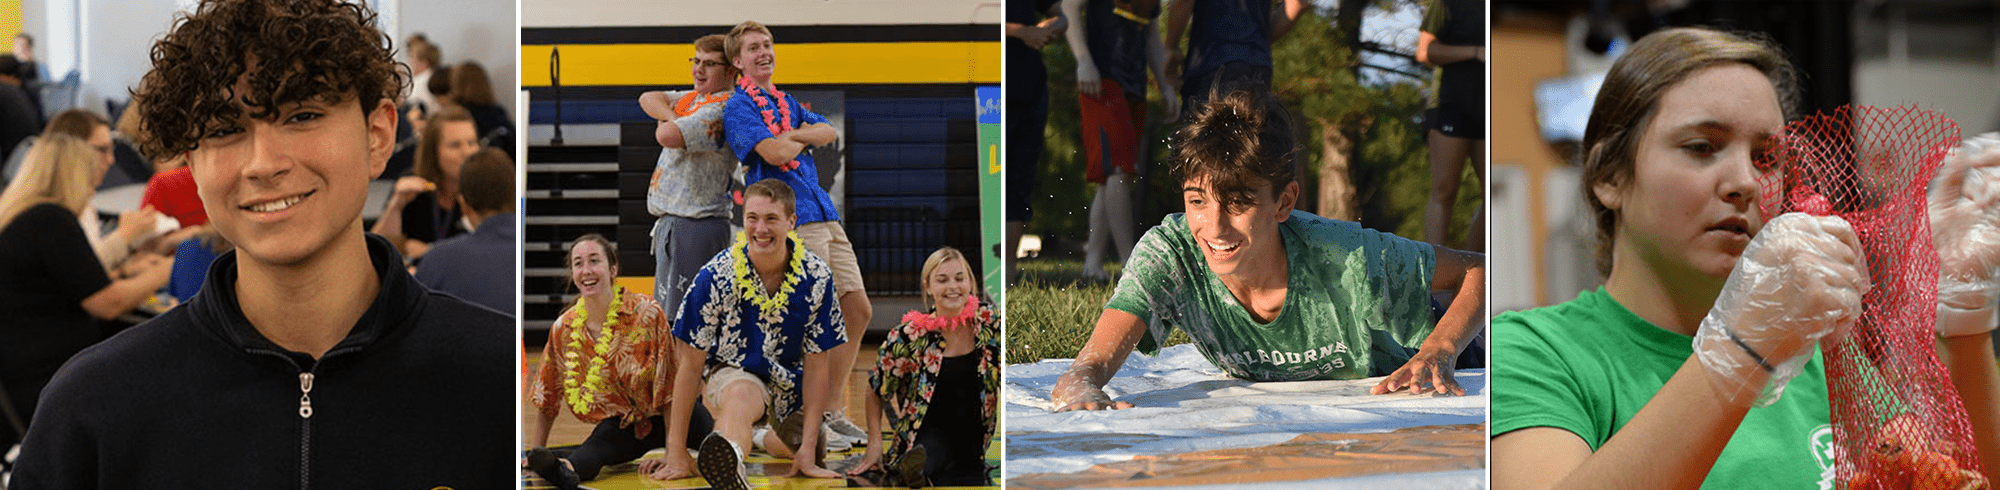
1195	426
1412	450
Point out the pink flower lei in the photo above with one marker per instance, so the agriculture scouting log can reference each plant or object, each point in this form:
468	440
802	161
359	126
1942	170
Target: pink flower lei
778	125
971	313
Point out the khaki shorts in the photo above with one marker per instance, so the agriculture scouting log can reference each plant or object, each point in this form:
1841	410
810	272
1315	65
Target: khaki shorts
828	240
721	376
789	430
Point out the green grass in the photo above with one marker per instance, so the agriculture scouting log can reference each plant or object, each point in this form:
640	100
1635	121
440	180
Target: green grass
1051	312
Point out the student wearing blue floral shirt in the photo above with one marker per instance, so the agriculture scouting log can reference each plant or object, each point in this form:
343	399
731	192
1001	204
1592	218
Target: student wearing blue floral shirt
757	326
769	131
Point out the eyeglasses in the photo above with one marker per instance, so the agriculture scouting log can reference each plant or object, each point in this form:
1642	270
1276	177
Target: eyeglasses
705	63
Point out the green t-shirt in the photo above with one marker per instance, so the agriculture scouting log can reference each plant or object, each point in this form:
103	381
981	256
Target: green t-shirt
1357	302
1589	365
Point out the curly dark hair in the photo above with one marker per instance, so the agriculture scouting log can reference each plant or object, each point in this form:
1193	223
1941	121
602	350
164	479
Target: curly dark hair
302	50
1239	140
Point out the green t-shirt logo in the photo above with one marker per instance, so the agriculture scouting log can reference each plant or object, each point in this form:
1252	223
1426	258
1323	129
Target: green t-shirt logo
1821	442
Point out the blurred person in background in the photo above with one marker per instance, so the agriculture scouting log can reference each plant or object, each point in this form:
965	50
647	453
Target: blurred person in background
424	206
52	287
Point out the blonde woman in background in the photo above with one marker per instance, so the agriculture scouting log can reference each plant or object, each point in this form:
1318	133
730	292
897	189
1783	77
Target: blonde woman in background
52	287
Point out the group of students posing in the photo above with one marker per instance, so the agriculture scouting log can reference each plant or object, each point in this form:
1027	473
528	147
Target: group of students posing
748	337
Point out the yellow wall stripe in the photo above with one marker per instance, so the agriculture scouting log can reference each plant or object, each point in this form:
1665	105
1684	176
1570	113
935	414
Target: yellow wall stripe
818	63
639	284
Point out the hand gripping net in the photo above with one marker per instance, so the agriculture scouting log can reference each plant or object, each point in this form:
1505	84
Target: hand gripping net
1897	421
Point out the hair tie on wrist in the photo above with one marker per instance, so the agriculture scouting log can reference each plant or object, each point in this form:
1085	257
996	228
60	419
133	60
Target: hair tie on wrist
1748	350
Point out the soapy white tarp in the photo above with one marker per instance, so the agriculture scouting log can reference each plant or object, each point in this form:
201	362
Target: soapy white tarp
1186	404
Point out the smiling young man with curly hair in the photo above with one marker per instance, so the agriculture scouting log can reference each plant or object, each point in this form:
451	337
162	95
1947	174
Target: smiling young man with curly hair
310	359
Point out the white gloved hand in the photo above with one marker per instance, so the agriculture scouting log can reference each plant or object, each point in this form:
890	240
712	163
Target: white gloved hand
1965	228
1798	282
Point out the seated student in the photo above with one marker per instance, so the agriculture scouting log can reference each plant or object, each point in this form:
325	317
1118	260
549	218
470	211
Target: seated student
472	90
51	286
310	358
424	207
479	266
756	329
1269	293
191	260
422	55
20	113
938	382
133	226
609	362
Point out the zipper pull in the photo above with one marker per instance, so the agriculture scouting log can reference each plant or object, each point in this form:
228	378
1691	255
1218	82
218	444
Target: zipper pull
305	395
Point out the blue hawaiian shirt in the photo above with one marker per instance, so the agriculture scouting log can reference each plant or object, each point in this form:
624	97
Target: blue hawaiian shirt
744	128
721	319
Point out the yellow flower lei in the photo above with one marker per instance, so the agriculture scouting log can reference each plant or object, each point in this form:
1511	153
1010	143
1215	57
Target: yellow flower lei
579	394
746	280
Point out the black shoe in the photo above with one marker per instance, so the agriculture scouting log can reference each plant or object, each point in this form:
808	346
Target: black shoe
909	469
550	468
720	464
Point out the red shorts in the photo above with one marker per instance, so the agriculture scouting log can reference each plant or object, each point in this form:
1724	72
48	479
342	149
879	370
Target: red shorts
1111	125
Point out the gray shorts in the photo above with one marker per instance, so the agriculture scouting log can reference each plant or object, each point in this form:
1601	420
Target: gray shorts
680	247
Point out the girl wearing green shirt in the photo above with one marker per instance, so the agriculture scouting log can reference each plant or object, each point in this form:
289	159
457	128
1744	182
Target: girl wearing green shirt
1707	309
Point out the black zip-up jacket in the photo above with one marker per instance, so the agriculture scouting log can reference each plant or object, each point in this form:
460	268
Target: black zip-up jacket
418	396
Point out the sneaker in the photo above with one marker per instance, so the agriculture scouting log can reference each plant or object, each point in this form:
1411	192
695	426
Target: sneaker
721	463
836	442
909	469
838	422
757	438
551	469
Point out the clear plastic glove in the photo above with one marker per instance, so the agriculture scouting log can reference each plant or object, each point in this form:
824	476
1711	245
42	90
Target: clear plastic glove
1965	228
1798	282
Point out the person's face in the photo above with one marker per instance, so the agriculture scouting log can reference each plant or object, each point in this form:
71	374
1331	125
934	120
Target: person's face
949	283
590	268
1691	204
710	73
283	190
100	142
456	141
754	55
1225	238
767	223
23	51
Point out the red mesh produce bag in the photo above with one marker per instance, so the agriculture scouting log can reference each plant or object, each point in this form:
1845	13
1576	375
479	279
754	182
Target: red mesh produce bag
1897	421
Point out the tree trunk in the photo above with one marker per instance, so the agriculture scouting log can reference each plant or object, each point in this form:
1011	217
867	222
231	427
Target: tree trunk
1336	189
1347	25
1340	139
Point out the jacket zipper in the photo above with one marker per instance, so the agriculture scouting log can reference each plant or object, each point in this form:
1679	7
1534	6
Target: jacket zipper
306	377
305	429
